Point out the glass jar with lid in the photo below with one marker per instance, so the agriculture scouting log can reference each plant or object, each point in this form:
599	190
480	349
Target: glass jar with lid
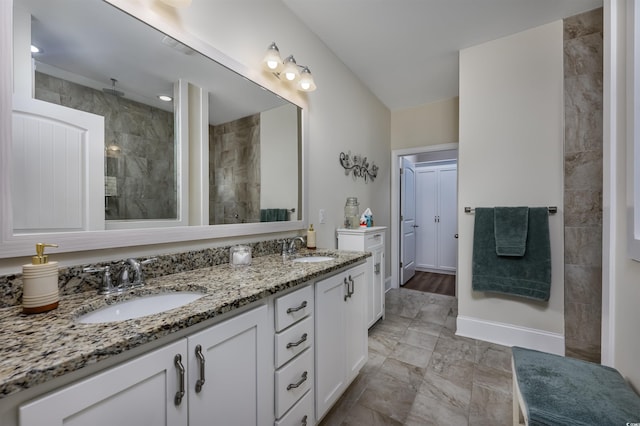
352	213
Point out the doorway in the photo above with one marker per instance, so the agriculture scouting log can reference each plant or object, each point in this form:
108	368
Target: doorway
445	154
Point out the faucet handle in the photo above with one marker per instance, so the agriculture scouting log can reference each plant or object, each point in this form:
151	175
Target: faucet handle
107	282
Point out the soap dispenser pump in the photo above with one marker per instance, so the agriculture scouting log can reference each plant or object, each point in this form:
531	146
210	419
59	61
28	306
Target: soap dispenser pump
40	283
311	238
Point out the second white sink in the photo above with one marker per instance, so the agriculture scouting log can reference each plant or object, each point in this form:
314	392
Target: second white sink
139	307
312	259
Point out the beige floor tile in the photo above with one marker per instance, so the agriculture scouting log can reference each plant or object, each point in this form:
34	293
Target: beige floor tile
427	411
360	415
446	391
410	354
416	337
490	407
406	373
388	396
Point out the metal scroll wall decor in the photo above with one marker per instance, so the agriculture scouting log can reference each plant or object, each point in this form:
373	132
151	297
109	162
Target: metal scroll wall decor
358	166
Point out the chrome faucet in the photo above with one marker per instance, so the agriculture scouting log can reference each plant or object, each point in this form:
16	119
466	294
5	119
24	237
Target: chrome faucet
131	275
292	244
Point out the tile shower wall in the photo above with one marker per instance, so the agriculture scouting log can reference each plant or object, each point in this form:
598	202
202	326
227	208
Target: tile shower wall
234	178
144	167
583	72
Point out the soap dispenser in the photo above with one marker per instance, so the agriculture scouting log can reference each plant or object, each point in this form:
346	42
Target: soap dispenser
40	283
311	238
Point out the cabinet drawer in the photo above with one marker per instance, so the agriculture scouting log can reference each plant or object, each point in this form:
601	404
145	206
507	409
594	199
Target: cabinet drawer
294	340
373	240
293	380
293	307
301	414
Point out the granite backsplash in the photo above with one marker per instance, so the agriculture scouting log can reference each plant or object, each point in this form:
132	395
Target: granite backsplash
73	280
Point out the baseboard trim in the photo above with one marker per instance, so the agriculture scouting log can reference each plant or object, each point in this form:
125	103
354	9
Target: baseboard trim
510	335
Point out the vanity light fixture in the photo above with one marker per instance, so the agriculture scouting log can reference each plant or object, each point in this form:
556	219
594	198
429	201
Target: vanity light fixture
165	98
300	75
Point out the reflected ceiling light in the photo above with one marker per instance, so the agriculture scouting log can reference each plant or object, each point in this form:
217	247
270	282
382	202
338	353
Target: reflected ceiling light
35	49
300	75
177	3
165	98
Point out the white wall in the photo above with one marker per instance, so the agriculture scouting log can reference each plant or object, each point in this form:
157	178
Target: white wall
344	114
621	285
511	153
430	124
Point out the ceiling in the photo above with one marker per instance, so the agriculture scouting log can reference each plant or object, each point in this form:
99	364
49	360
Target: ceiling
406	51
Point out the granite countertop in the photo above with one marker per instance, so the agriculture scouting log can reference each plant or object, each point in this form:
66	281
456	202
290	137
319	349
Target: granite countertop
38	348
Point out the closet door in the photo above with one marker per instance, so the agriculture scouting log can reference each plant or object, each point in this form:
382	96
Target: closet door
448	222
427	215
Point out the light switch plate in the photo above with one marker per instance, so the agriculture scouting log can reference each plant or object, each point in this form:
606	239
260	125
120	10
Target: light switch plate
321	216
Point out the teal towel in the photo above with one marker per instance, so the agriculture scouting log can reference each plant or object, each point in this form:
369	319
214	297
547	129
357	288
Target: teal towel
567	391
273	215
528	276
511	225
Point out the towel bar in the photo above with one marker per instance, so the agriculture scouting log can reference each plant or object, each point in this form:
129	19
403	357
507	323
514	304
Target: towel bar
552	210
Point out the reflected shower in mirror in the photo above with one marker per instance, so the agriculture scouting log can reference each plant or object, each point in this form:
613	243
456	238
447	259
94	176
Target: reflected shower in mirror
103	79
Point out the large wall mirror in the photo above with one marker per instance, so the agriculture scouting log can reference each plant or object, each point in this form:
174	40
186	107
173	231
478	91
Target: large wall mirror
120	128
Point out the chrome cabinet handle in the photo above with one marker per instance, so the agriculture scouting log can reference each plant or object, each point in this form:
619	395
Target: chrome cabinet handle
346	296
301	381
302	306
353	286
298	343
304	421
200	357
376	268
178	363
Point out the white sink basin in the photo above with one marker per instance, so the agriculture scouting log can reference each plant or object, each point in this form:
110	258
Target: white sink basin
312	259
139	307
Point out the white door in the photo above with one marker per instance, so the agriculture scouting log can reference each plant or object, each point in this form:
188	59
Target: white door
235	387
448	222
407	222
427	218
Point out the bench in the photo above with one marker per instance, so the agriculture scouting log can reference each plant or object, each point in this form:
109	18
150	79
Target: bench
555	390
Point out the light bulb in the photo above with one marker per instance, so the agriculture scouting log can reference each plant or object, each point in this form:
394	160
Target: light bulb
290	69
306	83
272	60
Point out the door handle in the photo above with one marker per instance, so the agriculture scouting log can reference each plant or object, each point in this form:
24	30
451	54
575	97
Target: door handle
180	393
200	357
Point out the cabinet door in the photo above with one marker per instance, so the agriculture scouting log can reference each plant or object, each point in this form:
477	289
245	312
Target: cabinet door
330	341
139	392
377	287
236	372
356	323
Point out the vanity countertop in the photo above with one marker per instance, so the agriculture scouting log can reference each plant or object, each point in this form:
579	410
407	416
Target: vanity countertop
38	348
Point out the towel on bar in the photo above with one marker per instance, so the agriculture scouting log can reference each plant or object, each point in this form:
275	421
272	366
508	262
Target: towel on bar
528	276
511	225
273	215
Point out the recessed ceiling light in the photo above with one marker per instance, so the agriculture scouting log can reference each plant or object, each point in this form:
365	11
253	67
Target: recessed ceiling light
165	98
35	49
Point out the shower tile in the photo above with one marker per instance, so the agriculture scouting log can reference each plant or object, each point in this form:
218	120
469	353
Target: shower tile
582	207
583	170
583	246
583	284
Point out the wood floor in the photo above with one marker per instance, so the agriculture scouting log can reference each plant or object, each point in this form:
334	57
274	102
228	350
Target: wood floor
430	282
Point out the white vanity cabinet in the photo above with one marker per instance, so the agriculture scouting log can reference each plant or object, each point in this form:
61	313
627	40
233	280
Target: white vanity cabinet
341	334
145	390
229	376
138	392
369	239
294	357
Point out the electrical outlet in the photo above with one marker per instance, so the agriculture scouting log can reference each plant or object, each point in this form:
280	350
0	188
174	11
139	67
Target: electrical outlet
321	216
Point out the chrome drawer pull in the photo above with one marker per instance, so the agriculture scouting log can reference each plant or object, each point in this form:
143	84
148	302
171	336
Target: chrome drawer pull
301	381
376	268
200	357
299	342
302	306
353	286
178	363
304	421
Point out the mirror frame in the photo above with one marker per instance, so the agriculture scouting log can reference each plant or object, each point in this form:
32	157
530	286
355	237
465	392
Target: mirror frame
23	245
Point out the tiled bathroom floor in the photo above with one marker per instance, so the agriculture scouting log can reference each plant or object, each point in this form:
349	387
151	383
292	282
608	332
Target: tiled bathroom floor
420	373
